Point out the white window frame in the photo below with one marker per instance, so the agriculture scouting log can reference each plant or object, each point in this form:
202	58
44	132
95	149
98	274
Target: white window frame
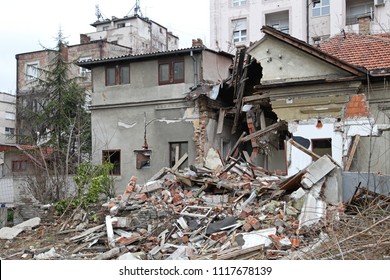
31	70
324	9
9	130
238	3
240	31
10	116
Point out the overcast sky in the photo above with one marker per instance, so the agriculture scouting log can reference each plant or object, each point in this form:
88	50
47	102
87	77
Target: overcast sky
27	25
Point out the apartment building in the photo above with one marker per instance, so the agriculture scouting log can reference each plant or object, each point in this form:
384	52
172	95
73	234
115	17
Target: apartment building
238	22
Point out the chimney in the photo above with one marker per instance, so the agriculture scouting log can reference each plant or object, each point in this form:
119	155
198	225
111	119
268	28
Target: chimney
364	24
197	43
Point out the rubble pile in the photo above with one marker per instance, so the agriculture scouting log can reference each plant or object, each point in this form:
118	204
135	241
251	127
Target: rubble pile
234	211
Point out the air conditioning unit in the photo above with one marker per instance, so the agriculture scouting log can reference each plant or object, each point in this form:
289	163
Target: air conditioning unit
379	2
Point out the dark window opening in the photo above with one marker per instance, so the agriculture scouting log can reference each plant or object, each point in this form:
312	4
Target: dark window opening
114	157
322	147
176	151
171	72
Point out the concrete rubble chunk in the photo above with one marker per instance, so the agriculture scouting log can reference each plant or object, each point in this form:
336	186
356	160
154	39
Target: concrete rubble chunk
255	238
316	171
49	255
9	233
29	224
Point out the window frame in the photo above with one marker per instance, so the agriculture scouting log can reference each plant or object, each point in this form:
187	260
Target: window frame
34	75
171	75
238	36
117	75
9	130
116	171
11	116
319	6
19	165
238	3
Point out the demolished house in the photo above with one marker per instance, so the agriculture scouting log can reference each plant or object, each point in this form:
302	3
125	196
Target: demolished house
279	160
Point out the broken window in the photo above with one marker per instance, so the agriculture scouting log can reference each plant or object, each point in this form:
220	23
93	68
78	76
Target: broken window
176	151
32	71
321	8
84	72
117	75
114	157
239	30
322	147
171	72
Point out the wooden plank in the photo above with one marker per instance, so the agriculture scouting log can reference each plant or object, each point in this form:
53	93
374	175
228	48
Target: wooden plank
256	97
235	146
303	149
180	162
352	152
264	131
221	118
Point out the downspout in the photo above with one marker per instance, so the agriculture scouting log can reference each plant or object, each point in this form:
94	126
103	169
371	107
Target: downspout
195	64
307	21
17	122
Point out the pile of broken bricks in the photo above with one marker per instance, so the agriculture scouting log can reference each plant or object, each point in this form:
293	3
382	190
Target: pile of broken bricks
230	212
217	214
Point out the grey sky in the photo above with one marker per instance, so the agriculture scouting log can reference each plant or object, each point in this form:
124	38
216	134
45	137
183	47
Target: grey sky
26	26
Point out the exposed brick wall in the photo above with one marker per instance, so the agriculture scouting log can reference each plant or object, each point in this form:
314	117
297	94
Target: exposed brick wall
357	107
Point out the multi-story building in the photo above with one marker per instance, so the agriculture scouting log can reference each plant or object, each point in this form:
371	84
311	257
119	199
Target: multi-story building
148	123
238	22
139	33
7	119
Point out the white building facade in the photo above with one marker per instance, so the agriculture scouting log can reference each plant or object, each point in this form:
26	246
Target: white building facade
238	22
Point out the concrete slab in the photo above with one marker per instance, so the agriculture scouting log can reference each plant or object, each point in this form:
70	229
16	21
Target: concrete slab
9	233
318	170
29	224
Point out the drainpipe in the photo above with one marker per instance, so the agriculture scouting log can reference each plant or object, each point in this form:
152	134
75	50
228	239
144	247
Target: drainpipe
195	64
307	21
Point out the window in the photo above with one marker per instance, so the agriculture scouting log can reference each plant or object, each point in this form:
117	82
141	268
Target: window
84	72
354	12
120	25
239	30
170	72
105	28
279	21
322	147
10	116
19	165
117	75
9	131
321	8
176	151
237	3
114	157
32	71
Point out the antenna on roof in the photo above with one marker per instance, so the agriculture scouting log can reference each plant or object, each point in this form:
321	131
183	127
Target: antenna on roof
136	8
98	13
